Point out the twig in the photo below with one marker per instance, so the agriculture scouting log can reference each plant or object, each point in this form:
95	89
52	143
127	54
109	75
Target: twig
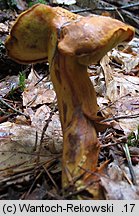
36	141
31	187
42	136
81	10
14	177
32	101
12	167
50	177
2	111
22	152
114	8
41	79
110	144
129	6
119	141
121	117
117	8
127	178
10	107
112	103
120	15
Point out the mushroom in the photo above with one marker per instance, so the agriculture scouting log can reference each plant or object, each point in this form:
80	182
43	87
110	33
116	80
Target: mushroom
70	43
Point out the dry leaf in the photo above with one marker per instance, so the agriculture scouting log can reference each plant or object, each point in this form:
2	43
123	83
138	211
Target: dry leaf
38	117
128	61
123	93
3	28
116	185
9	83
36	94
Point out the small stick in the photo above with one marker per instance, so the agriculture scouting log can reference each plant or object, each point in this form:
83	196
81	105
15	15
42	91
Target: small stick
42	136
121	117
51	178
105	8
120	15
127	178
112	103
10	107
117	8
32	185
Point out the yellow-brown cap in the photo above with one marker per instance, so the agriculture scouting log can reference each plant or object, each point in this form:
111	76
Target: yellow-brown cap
35	32
34	35
90	38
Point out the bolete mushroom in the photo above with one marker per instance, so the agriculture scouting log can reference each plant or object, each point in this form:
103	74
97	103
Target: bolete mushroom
69	43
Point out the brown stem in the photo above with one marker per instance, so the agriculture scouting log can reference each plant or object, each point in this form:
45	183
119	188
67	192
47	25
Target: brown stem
73	87
78	107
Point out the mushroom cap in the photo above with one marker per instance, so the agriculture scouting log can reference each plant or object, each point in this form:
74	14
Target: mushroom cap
35	32
27	42
90	38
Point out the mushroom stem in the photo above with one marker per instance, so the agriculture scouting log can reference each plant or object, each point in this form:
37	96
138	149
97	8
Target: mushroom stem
78	107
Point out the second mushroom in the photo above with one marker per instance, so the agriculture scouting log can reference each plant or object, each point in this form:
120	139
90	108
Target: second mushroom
70	43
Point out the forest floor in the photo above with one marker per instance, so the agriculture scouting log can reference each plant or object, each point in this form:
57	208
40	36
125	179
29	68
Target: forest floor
30	130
